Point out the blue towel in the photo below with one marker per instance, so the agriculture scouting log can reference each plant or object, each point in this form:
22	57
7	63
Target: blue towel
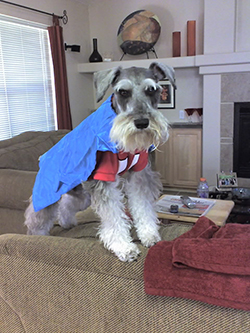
73	158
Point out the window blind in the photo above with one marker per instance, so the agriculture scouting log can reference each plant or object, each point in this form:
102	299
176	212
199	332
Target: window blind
27	95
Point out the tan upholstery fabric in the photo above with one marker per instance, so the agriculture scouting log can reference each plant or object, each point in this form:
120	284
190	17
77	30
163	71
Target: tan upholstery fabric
16	185
12	221
18	167
23	151
55	284
23	156
23	137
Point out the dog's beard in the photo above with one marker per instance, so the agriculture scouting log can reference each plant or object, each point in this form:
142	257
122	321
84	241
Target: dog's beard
128	138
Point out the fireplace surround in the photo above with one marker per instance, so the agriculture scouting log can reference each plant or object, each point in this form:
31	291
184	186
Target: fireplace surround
235	112
241	142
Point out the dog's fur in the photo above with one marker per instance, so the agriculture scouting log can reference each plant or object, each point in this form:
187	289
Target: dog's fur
137	126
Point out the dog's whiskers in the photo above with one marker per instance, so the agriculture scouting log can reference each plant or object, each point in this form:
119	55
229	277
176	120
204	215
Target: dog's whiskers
129	138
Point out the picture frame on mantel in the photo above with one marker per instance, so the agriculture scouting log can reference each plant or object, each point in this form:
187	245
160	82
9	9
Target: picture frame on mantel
167	98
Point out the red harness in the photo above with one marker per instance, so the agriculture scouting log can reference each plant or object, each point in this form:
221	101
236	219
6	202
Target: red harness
109	164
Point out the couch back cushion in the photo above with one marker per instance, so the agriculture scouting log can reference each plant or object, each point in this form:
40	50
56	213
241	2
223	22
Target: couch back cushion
23	151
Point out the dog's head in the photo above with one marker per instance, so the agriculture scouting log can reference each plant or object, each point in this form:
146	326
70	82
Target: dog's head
138	124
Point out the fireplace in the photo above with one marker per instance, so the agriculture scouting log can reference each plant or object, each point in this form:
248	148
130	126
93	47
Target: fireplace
241	144
235	126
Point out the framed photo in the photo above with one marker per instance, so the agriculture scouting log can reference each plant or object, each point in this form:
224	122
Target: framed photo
227	180
167	99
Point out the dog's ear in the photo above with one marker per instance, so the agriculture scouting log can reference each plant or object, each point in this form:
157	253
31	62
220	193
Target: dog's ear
162	71
103	79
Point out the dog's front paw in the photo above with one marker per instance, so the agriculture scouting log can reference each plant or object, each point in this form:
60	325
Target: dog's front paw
149	240
125	251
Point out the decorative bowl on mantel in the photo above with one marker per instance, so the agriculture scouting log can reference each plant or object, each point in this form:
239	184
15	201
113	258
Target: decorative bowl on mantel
139	32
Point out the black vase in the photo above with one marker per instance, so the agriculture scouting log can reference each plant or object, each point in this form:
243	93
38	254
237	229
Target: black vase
95	55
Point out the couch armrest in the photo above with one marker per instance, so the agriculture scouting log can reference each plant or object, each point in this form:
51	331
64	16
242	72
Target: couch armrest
16	188
55	284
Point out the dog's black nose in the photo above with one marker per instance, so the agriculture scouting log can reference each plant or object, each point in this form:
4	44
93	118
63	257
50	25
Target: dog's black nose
141	123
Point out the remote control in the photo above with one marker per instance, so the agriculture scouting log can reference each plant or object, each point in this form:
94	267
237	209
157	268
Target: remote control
188	202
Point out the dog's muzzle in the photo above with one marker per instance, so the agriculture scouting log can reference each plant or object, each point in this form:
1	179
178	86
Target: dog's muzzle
141	123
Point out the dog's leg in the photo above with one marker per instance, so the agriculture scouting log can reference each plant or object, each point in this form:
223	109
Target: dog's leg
114	232
142	189
40	223
70	203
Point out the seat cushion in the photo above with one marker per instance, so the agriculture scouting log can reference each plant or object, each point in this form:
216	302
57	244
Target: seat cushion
22	152
16	188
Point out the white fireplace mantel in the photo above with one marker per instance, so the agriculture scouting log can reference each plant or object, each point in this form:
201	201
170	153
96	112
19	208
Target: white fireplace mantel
178	62
208	64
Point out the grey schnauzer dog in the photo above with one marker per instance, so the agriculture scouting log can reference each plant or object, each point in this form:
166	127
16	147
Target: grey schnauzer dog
137	126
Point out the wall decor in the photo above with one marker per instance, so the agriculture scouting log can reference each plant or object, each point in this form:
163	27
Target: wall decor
95	55
191	38
176	44
139	32
167	99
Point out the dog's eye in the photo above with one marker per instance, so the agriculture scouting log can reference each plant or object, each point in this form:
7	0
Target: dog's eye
150	91
125	93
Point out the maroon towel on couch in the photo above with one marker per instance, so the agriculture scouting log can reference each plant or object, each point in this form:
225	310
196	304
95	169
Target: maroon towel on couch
207	263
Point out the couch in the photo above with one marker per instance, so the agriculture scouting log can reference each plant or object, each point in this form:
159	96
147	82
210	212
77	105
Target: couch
68	282
18	167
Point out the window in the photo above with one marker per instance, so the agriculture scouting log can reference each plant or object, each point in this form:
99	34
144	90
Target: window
27	96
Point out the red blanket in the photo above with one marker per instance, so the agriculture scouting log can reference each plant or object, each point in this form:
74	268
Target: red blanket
207	263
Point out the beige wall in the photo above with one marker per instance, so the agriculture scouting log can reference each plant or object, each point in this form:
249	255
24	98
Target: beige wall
101	19
106	16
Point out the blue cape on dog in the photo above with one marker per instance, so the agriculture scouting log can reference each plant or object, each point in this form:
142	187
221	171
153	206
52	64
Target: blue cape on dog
72	160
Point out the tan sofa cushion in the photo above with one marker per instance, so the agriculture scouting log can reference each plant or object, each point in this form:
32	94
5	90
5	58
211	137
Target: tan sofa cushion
12	222
55	284
22	152
26	136
16	188
24	155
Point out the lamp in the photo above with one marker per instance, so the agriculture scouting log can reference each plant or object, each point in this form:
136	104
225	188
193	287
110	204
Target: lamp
74	48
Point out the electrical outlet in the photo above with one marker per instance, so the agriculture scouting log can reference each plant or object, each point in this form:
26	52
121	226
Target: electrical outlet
181	114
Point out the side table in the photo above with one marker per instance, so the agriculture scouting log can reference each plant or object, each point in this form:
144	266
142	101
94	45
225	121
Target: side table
218	213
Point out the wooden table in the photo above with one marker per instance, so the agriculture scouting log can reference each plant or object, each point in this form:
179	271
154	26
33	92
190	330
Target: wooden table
218	213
